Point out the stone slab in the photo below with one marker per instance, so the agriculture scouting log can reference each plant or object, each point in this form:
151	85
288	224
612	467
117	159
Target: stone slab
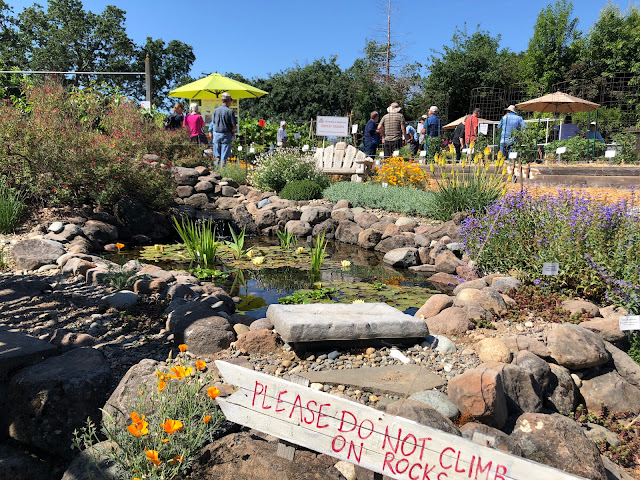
360	321
18	350
393	380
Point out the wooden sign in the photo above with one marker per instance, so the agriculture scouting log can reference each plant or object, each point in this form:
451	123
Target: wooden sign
629	322
392	446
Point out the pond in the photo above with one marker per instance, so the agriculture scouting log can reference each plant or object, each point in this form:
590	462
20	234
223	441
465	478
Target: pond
285	275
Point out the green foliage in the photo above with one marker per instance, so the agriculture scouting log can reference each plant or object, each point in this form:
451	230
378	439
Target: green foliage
209	274
410	201
318	253
119	278
634	347
235	171
199	238
181	395
301	190
275	170
236	246
11	207
627	144
303	297
287	239
576	149
536	302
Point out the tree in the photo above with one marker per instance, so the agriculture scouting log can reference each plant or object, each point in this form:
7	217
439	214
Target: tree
553	48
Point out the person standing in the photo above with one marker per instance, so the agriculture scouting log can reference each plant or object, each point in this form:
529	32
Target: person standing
175	120
411	139
459	139
392	129
371	135
223	127
471	126
281	136
511	121
195	123
420	129
433	125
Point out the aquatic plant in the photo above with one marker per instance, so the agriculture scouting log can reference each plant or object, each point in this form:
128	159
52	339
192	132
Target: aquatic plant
318	253
199	238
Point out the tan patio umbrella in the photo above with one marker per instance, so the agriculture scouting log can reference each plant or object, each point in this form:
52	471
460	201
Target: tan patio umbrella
558	102
455	123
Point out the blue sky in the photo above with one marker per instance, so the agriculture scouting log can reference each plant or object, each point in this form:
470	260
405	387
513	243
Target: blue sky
256	38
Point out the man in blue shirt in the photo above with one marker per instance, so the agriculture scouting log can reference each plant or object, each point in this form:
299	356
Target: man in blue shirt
223	126
411	139
433	125
371	135
511	121
593	133
568	129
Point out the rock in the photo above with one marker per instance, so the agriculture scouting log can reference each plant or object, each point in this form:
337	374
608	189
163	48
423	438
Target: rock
204	187
505	284
184	191
287	214
365	219
575	347
340	204
148	287
315	215
424	270
607	328
487	436
261	324
257	341
450	321
77	266
393	243
100	232
48	401
134	215
226	203
18	350
227	190
342	214
466	272
436	232
493	350
33	253
438	401
17	463
613	471
445	280
244	220
183	316
581	306
56	227
598	433
559	442
121	300
537	367
488	298
561	394
68	232
447	262
478	393
298	228
442	344
265	219
249	455
626	367
434	305
197	200
522	392
518	343
609	390
402	257
423	414
185	176
348	232
328	227
478	284
391	230
369	238
207	336
477	314
66	340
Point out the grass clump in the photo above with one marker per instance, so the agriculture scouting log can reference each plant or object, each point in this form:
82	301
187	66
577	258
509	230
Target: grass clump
405	200
276	169
199	239
163	430
11	207
301	190
236	171
120	279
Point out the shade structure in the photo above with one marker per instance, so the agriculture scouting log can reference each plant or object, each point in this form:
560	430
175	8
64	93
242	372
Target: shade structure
558	102
455	123
214	85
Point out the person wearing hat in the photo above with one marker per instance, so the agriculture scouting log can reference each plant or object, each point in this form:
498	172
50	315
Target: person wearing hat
223	127
371	135
433	125
281	136
593	133
392	129
511	121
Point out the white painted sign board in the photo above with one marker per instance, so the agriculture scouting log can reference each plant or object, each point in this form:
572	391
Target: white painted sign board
305	148
483	128
332	126
396	153
354	128
610	153
239	148
550	268
629	322
146	104
393	446
252	150
423	153
561	150
513	155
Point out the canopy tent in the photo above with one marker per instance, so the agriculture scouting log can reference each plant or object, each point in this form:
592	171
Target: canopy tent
455	123
214	85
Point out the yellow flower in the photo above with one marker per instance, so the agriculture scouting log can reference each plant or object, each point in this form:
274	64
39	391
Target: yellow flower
250	254
451	148
487	151
182	347
139	426
161	385
213	392
345	263
165	440
300	249
257	260
200	365
171	426
152	456
431	167
207	419
358	301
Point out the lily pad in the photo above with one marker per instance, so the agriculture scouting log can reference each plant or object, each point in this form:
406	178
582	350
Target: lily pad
165	253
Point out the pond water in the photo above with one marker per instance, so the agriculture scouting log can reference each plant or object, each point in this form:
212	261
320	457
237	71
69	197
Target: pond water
367	278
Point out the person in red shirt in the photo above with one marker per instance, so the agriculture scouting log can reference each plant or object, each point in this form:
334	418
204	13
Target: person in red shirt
471	127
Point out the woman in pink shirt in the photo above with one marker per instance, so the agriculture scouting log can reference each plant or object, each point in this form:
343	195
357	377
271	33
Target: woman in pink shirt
195	123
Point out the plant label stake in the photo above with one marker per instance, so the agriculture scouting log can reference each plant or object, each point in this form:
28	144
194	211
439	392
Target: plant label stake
391	446
560	151
550	268
629	322
396	153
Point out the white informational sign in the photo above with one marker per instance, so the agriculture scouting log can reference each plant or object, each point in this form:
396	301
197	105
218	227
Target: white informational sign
239	148
423	153
296	136
332	126
252	150
610	153
381	154
483	128
513	155
629	322
305	148
561	150
354	128
396	153
550	268
146	104
393	446
466	151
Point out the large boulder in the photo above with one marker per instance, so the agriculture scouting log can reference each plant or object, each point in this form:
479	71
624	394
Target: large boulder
392	243
519	343
365	219
134	215
537	367
342	214
95	463
609	390
19	350
328	227
608	328
576	348
447	262
33	253
490	437
438	401
493	350
522	392
16	463
257	341
558	441
48	401
402	257
449	229
185	176
183	316
244	220
265	218
298	228
434	305
207	336
488	298
315	215
348	232
450	321
287	214
581	306
624	365
561	394
369	238
100	232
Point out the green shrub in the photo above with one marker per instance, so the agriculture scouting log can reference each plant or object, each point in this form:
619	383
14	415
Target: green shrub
301	190
235	171
627	144
11	206
576	150
274	170
407	200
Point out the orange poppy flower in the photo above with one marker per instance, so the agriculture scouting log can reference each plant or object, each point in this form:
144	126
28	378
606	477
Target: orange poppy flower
200	365
165	440
119	245
161	385
182	347
152	456
181	372
207	419
139	426
171	426
213	392
177	458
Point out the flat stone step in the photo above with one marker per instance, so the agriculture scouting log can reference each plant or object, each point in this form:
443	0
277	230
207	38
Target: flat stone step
323	322
580	180
393	380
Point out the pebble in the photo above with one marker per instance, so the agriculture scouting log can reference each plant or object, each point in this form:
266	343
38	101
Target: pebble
316	386
528	324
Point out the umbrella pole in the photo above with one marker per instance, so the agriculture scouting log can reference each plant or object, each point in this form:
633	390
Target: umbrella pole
594	135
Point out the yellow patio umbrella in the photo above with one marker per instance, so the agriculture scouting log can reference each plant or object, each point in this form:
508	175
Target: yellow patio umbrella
214	85
455	123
